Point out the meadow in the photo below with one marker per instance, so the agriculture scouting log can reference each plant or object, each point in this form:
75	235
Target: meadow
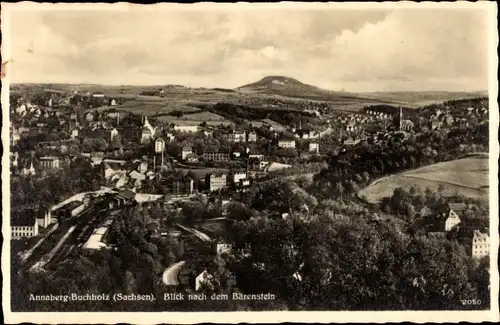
468	177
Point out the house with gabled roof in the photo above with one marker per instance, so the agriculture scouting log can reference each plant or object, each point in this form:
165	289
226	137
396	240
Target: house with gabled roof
480	245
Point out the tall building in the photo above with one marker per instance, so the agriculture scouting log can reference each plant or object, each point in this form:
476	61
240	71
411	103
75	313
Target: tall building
216	182
148	131
480	245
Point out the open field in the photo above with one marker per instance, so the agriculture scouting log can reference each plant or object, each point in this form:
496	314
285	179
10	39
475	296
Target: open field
468	176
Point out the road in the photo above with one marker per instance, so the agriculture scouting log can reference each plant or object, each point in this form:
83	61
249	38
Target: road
202	236
171	274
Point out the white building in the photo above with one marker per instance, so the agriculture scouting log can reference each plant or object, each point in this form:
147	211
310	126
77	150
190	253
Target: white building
15	136
185	152
314	147
204	278
223	248
239	176
285	143
26	171
186	128
480	245
114	133
237	136
148	131
351	126
50	162
252	137
143	167
216	182
74	133
451	221
159	145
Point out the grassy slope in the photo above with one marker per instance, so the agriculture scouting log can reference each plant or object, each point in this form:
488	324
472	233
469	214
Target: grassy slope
468	176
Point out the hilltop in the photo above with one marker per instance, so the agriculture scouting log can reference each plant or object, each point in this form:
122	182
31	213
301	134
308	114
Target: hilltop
291	87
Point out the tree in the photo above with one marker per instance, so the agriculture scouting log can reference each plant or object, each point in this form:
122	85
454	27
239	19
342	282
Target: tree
411	213
441	189
366	176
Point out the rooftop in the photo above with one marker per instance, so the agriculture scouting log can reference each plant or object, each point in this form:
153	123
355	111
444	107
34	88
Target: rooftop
49	158
127	194
457	207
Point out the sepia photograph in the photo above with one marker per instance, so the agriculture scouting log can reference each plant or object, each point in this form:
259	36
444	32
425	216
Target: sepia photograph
291	159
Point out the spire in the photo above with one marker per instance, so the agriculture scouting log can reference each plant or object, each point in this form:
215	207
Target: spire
400	117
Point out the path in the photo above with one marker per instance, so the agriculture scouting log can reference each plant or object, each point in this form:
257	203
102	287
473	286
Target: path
202	236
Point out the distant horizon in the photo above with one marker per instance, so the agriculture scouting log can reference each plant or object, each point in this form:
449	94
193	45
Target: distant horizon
236	88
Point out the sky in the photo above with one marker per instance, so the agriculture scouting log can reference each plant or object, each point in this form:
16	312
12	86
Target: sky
336	49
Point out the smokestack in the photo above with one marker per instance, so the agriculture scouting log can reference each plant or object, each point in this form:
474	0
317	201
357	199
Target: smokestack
400	117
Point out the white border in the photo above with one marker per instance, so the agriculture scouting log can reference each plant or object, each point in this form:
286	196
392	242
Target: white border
256	317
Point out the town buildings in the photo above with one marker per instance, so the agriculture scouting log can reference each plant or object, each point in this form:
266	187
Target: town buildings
204	278
186	128
113	134
237	136
286	143
217	155
252	137
148	131
181	185
74	133
29	169
480	245
50	162
223	248
186	151
237	177
351	126
314	147
447	217
15	136
407	125
216	181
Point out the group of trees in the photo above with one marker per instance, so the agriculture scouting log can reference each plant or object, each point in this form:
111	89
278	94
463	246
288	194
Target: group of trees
242	113
327	256
333	263
134	266
355	167
29	191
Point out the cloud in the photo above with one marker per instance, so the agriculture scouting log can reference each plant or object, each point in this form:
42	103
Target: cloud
352	49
